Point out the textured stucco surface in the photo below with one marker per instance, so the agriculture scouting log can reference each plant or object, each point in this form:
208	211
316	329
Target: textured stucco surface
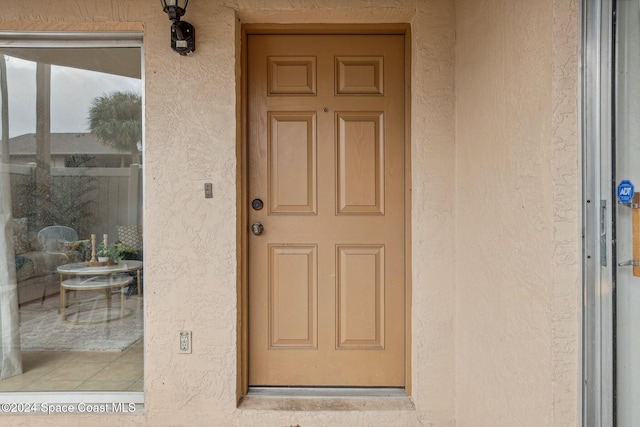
516	213
494	232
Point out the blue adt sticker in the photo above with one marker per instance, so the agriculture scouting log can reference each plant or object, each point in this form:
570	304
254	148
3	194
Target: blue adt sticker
625	191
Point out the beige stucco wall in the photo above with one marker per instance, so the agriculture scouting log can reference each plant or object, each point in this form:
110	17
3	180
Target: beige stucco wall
517	226
494	232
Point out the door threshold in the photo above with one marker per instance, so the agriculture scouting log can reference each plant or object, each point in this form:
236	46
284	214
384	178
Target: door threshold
327	399
327	391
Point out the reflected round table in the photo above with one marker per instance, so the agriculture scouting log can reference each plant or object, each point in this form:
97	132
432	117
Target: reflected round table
94	283
103	277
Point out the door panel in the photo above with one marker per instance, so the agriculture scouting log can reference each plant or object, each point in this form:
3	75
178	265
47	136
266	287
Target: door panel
292	296
292	162
360	154
326	155
360	296
627	167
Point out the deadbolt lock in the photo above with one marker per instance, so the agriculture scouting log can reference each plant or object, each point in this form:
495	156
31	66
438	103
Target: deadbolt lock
257	204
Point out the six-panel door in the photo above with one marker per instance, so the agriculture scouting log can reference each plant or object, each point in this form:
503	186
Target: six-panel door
326	157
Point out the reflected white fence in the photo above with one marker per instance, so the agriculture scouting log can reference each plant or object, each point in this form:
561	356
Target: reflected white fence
116	194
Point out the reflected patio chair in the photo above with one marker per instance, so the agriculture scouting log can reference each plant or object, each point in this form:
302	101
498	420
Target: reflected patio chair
131	237
53	239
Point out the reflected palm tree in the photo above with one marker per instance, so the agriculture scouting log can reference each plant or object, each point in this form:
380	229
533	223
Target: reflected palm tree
116	120
43	135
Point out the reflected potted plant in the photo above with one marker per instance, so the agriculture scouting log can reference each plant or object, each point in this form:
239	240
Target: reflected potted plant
116	252
113	252
103	253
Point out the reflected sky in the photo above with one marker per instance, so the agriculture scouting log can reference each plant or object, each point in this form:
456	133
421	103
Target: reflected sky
72	91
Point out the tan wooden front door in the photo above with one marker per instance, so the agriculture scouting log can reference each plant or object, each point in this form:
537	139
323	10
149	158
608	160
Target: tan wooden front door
326	158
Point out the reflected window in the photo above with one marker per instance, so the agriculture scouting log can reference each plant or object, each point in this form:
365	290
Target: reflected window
71	207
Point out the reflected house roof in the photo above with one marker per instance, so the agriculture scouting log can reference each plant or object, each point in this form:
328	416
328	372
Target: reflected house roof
122	61
62	144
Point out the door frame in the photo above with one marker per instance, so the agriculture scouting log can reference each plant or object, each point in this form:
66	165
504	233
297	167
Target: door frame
242	197
598	212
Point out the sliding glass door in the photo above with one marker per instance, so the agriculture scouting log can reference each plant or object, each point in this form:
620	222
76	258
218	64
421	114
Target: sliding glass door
71	191
611	203
626	176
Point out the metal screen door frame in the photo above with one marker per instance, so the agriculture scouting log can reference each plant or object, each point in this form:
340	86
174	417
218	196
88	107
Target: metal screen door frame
609	64
597	382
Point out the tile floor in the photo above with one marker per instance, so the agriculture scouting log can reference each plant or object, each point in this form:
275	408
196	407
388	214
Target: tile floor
82	371
78	370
